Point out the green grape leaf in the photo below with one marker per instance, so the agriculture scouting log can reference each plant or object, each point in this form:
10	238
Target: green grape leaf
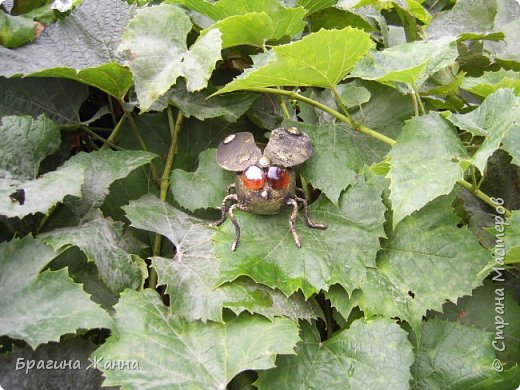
59	99
157	67
492	119
320	59
410	63
56	304
369	355
489	82
353	94
479	311
24	143
412	9
103	243
511	238
469	19
81	46
249	29
70	350
506	50
444	361
204	188
339	152
207	356
312	6
281	22
17	30
19	198
192	275
268	254
426	162
102	168
415	267
196	104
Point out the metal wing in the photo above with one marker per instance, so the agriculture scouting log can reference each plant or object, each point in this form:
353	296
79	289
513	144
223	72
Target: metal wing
288	147
238	151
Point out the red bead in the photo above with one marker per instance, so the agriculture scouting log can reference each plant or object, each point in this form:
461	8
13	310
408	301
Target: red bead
278	178
253	178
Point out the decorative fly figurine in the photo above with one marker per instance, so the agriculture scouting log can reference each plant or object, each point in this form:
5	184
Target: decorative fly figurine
264	183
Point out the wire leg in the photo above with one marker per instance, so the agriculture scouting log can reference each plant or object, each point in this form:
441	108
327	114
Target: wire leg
292	220
308	220
224	208
235	224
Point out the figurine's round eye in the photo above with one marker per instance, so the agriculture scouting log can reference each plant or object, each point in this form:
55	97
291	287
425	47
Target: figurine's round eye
253	178
278	178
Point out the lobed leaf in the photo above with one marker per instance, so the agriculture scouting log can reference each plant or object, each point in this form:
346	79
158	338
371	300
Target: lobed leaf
103	243
206	356
320	59
268	255
39	307
339	152
415	267
197	104
369	355
409	63
192	275
445	361
493	119
102	168
426	162
156	67
204	188
489	82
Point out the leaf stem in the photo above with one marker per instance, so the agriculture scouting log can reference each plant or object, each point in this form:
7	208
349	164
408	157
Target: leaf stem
175	127
482	196
418	98
415	104
115	133
99	138
111	107
340	104
283	106
343	118
365	130
140	139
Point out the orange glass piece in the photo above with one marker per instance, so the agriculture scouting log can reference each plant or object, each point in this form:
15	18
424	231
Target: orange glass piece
253	178
278	178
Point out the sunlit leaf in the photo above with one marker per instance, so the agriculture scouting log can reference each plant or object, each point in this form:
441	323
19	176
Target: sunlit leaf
410	63
156	67
320	59
426	162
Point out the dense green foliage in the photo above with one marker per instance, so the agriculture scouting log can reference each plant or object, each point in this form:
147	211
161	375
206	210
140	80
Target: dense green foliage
110	113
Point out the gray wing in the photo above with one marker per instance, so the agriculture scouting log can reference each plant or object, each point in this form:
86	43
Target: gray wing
238	151
288	147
